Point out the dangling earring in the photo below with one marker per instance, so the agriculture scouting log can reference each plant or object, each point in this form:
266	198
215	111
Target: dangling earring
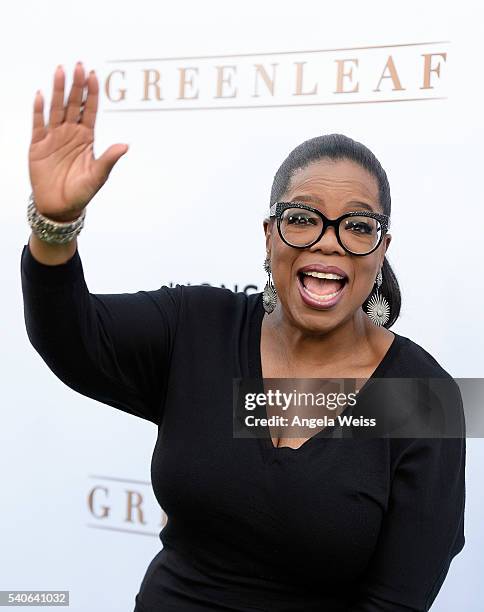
378	308
269	295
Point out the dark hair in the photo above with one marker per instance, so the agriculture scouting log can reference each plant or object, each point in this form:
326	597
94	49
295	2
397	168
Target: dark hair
335	147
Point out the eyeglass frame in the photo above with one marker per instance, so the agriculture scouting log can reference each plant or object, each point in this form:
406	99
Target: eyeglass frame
278	208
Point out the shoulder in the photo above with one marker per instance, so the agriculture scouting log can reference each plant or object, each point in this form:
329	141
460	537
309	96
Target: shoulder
438	394
209	305
437	431
214	316
201	305
413	360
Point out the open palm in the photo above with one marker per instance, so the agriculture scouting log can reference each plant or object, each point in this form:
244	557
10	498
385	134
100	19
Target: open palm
63	172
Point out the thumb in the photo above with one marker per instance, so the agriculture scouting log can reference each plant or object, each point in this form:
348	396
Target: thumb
104	164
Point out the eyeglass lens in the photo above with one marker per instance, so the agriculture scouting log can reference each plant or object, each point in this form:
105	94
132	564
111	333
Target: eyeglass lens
359	234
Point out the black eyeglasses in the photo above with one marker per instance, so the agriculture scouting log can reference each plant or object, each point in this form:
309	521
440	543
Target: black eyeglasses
301	226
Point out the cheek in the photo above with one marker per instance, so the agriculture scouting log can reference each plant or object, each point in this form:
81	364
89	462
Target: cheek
281	273
364	275
282	269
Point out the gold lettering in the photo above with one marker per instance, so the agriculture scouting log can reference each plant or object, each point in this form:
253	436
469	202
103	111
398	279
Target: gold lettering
107	87
134	505
221	79
148	83
341	74
393	75
184	82
428	68
260	70
105	509
299	82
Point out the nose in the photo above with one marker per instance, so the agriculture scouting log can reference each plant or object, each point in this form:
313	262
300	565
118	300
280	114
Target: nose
328	243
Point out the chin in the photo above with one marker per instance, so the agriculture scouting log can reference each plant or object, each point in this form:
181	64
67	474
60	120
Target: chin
313	320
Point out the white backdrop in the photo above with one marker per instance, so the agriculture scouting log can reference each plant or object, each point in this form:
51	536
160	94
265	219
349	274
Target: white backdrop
77	511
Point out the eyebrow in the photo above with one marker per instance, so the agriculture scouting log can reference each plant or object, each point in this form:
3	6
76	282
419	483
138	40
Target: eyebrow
315	198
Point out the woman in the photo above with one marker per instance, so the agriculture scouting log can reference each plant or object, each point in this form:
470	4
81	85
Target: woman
279	523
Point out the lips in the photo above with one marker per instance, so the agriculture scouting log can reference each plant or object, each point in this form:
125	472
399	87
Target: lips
321	268
321	286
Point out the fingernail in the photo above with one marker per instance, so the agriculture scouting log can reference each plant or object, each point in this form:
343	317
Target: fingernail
91	72
79	64
59	67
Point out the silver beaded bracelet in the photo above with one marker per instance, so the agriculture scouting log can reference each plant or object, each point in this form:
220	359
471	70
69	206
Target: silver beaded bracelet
53	231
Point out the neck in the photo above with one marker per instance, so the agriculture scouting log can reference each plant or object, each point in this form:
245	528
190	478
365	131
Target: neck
348	342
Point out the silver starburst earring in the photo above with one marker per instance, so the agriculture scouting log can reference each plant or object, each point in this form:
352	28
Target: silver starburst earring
269	295
378	308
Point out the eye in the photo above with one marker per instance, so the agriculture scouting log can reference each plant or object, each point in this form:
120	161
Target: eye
300	219
359	226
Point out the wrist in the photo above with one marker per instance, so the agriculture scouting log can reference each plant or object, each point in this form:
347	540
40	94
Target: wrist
51	254
50	230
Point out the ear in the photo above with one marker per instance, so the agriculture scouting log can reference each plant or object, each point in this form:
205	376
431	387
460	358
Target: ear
386	243
267	223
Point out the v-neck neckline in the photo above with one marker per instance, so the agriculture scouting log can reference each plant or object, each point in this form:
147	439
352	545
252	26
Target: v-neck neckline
255	372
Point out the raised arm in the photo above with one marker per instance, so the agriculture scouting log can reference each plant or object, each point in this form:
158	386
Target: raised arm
113	348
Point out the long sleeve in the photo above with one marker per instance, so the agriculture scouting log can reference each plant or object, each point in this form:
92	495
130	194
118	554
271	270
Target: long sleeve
114	348
422	531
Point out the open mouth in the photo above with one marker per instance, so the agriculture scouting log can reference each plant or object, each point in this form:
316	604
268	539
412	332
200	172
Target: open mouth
321	287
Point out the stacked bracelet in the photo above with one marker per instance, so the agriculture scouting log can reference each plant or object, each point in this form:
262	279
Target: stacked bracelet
53	231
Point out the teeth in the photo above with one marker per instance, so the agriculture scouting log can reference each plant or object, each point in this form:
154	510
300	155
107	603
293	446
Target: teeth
327	275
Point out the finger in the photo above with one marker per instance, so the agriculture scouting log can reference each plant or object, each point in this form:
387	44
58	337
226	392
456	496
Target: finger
38	126
90	108
56	116
83	102
75	96
104	165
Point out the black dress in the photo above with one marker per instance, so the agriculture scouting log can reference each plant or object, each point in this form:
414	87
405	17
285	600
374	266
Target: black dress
361	525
